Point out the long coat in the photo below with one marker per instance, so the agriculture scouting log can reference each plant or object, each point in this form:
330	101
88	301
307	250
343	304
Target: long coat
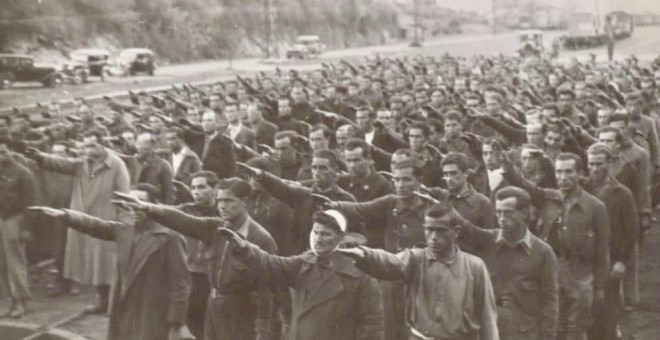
341	303
87	260
151	288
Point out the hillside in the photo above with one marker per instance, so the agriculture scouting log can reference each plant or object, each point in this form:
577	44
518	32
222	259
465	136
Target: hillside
185	30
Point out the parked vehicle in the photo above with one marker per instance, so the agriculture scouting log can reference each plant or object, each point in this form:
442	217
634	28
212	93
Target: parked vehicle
307	46
134	60
531	40
96	59
22	68
587	30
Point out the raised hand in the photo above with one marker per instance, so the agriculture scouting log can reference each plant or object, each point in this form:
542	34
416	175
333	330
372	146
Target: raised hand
52	212
128	201
32	153
324	202
250	171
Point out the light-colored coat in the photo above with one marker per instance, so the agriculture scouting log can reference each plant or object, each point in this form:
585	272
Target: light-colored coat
87	260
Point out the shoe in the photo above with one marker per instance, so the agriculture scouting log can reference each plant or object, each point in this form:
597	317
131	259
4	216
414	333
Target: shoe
18	312
97	309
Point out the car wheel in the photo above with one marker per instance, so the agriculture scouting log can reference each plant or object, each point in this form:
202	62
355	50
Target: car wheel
6	80
52	81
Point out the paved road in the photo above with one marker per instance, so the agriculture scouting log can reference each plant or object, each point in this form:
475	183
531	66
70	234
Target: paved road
644	43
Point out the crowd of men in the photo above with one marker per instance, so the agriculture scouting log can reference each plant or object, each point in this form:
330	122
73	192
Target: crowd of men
392	198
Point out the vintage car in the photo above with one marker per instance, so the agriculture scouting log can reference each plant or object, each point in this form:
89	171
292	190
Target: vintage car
22	68
96	59
133	60
307	46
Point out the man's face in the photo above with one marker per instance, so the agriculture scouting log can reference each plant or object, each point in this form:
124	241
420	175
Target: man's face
214	102
324	239
535	134
156	124
509	217
253	115
317	140
93	149
297	95
529	162
363	120
440	234
609	139
492	157
420	97
454	177
284	108
342	136
552	139
193	115
322	172
460	85
567	174
356	163
416	139
284	150
202	192
437	98
453	128
4	153
209	122
396	159
565	102
229	206
598	166
139	215
173	142
231	112
603	116
405	182
493	105
144	145
635	107
386	118
330	92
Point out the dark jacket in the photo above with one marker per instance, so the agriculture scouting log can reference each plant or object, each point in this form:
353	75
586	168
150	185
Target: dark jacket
243	289
17	188
190	165
152	284
218	156
525	279
155	171
387	141
265	131
343	303
247	137
276	217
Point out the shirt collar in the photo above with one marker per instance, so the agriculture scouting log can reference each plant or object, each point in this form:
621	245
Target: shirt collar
415	202
525	241
453	263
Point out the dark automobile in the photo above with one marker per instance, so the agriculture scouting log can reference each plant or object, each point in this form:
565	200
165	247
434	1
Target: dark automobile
96	59
22	68
134	60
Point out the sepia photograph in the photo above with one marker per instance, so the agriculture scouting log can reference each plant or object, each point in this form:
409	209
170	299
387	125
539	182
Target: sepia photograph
329	170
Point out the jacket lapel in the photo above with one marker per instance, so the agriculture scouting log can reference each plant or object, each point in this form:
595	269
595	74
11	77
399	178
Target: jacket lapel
141	253
330	285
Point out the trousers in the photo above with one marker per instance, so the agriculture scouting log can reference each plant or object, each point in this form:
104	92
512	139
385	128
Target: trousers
13	262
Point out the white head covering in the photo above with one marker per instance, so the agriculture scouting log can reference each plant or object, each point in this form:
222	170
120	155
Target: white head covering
338	217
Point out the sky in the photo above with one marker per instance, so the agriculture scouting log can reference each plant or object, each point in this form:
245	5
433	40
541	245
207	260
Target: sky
631	6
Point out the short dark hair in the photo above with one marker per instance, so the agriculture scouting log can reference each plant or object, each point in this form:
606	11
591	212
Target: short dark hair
409	163
210	176
453	115
327	154
619	117
290	134
420	126
176	130
566	91
494	143
355	143
617	132
522	197
441	210
600	149
236	186
459	159
567	156
94	133
322	218
327	133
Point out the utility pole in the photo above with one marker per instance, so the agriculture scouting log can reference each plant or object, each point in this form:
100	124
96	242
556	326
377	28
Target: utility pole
415	42
268	26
